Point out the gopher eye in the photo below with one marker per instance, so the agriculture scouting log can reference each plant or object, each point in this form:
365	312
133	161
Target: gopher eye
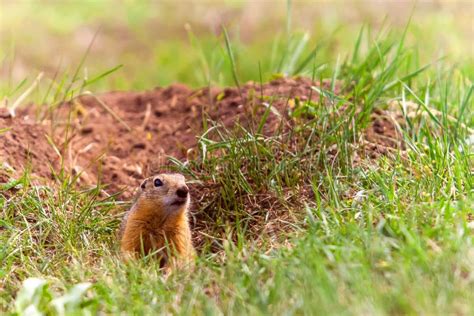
158	182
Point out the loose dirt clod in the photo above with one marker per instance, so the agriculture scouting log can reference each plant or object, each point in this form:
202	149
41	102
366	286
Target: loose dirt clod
118	138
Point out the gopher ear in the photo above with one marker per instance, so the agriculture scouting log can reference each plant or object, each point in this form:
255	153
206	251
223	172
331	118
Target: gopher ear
143	185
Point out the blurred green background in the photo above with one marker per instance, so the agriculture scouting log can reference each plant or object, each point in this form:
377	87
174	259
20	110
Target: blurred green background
160	42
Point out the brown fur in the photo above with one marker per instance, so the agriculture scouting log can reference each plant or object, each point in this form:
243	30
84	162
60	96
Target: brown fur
155	224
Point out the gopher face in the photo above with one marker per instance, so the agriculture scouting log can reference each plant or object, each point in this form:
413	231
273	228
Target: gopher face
168	191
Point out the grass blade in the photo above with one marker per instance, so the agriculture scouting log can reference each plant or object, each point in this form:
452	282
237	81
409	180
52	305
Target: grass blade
102	75
230	53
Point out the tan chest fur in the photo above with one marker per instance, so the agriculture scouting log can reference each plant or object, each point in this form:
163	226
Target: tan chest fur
148	229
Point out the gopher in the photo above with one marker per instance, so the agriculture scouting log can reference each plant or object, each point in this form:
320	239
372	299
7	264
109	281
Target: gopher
157	222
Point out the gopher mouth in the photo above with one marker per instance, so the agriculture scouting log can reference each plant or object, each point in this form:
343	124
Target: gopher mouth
178	202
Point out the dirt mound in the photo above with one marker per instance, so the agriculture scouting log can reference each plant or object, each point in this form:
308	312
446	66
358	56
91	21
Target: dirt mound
120	137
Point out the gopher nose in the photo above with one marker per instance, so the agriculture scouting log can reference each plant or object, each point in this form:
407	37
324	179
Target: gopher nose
182	192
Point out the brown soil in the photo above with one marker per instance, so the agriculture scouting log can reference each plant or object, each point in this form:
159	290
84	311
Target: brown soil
128	135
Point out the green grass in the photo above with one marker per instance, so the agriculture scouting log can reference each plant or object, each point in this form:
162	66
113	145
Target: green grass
386	236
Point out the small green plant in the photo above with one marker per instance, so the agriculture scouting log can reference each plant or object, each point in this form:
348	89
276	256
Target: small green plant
36	298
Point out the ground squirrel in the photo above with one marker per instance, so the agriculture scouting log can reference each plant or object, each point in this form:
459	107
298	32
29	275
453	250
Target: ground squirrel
158	220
